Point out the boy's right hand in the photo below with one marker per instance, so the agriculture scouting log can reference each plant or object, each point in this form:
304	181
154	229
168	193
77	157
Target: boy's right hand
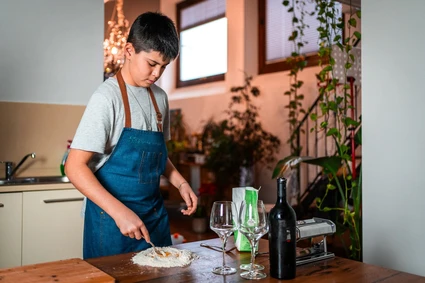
132	226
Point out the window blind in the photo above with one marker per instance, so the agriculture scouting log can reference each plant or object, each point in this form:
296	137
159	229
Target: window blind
202	12
279	28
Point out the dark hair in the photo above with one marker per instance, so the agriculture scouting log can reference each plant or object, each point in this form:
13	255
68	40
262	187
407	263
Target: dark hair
154	32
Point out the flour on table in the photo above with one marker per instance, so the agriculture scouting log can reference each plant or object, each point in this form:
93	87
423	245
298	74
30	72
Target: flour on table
170	257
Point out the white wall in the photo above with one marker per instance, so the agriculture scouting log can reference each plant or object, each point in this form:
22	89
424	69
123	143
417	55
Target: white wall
393	134
51	50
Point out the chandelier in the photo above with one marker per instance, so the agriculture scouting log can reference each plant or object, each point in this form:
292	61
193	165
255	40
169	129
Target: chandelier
113	47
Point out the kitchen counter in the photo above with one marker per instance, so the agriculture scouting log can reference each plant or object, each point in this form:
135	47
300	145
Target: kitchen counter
35	187
334	270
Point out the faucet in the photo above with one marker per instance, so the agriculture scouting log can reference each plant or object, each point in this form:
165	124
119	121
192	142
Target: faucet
10	171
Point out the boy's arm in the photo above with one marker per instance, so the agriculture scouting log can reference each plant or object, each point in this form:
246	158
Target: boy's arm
183	186
83	179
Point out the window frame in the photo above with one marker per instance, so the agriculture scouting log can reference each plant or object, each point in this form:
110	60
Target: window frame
179	83
282	65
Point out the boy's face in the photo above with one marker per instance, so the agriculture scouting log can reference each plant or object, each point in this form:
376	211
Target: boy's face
145	68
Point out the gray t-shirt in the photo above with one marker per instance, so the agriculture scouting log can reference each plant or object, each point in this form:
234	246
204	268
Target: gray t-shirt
103	119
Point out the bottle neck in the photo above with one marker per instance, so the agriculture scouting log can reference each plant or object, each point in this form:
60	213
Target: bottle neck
281	190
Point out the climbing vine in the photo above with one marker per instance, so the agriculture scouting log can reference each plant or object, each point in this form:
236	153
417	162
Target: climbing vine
297	61
335	104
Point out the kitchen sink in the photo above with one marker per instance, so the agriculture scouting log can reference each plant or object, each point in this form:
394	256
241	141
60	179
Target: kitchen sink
34	180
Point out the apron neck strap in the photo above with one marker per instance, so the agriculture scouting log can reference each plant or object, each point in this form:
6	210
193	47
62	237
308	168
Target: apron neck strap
158	113
124	95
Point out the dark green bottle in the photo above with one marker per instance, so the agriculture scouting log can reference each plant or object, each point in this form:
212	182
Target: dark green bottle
282	236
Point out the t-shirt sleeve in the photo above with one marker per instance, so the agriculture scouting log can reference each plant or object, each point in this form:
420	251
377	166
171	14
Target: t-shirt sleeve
96	125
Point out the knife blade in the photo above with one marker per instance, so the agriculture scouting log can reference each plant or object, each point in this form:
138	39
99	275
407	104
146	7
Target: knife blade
216	248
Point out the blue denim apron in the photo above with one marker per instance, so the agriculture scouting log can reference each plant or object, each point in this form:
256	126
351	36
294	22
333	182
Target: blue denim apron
131	174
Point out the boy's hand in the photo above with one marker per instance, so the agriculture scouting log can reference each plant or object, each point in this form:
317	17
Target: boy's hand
189	198
132	226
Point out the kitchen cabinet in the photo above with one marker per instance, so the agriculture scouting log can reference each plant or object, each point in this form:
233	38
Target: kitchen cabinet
10	229
52	226
40	225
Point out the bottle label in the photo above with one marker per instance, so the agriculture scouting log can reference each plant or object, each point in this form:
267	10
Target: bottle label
288	235
281	230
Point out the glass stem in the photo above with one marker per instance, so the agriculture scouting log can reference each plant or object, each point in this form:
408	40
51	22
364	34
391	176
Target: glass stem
251	266
224	248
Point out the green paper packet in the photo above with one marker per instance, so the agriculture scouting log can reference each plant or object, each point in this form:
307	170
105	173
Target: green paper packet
250	195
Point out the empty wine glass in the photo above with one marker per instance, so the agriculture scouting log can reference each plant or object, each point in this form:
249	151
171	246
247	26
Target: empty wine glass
253	224
224	224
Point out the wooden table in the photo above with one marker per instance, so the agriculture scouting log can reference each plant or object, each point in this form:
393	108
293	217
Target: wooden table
64	271
333	270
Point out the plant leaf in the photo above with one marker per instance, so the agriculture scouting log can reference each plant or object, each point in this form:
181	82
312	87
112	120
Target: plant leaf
357	34
352	22
358	136
332	131
330	187
327	69
348	121
332	163
282	166
324	124
359	14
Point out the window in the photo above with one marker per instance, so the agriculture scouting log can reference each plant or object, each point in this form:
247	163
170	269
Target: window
202	26
275	27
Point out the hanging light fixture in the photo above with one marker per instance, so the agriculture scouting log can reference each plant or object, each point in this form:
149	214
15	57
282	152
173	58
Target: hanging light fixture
113	47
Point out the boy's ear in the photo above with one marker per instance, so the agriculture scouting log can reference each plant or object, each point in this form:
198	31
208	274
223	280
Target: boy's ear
129	50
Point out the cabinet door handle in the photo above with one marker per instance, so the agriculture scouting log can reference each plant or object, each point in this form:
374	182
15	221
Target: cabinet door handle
62	200
1	205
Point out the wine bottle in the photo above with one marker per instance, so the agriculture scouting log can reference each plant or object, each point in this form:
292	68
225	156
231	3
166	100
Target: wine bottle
282	237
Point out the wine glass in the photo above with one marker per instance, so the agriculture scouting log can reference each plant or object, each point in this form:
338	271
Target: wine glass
247	266
224	224
253	224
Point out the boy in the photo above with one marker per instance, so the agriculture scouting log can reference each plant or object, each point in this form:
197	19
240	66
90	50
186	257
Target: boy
118	152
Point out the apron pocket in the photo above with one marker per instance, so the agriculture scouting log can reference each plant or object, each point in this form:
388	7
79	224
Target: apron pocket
150	167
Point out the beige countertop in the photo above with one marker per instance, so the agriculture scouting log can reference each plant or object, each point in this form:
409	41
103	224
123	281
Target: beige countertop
35	187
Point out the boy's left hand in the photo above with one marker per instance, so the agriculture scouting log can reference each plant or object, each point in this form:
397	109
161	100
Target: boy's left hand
189	198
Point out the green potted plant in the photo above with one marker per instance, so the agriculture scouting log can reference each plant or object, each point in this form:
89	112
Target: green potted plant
238	142
178	143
